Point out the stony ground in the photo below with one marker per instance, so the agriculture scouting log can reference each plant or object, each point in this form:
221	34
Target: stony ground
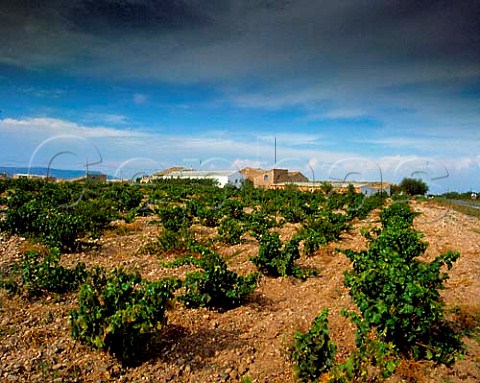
250	341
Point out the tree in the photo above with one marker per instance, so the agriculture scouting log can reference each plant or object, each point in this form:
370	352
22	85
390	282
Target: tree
413	186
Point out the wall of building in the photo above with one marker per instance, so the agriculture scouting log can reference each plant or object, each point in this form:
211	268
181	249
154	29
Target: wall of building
91	178
270	178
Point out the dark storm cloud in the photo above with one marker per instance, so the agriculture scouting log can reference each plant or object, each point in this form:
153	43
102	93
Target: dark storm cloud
195	40
120	16
419	27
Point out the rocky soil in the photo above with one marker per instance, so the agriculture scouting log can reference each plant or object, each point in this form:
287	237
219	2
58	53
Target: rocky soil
250	341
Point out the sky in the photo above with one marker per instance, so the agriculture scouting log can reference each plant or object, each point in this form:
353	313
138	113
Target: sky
347	89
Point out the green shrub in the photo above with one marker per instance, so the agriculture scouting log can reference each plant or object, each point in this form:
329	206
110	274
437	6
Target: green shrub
209	217
170	241
328	224
116	311
181	240
10	285
130	215
372	361
361	206
312	241
293	214
21	214
274	260
4	185
320	229
398	294
314	352
124	196
258	222
174	217
58	214
230	231
43	273
61	229
215	286
232	208
399	212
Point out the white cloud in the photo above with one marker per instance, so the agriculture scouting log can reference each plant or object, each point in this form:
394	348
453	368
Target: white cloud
344	113
139	98
289	139
116	146
279	99
44	139
429	141
46	127
54	142
246	163
106	118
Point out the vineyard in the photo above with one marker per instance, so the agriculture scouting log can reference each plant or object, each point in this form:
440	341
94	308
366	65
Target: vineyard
182	281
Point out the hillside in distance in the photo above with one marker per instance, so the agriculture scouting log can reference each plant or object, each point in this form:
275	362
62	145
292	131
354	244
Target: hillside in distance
43	171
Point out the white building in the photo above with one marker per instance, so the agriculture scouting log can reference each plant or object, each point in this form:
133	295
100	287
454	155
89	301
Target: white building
372	188
223	177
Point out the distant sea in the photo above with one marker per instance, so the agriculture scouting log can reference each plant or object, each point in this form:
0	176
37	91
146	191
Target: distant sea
56	173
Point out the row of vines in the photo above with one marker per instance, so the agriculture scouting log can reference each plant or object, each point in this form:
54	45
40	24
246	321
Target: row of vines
399	308
400	313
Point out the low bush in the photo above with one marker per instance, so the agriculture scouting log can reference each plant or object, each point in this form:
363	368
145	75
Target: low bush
258	222
174	217
230	231
361	206
276	259
398	294
372	361
312	241
399	212
58	214
170	240
42	273
215	285
233	209
293	214
313	351
320	229
116	311
209	217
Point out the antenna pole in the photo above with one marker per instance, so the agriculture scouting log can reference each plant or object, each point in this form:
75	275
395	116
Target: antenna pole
275	150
